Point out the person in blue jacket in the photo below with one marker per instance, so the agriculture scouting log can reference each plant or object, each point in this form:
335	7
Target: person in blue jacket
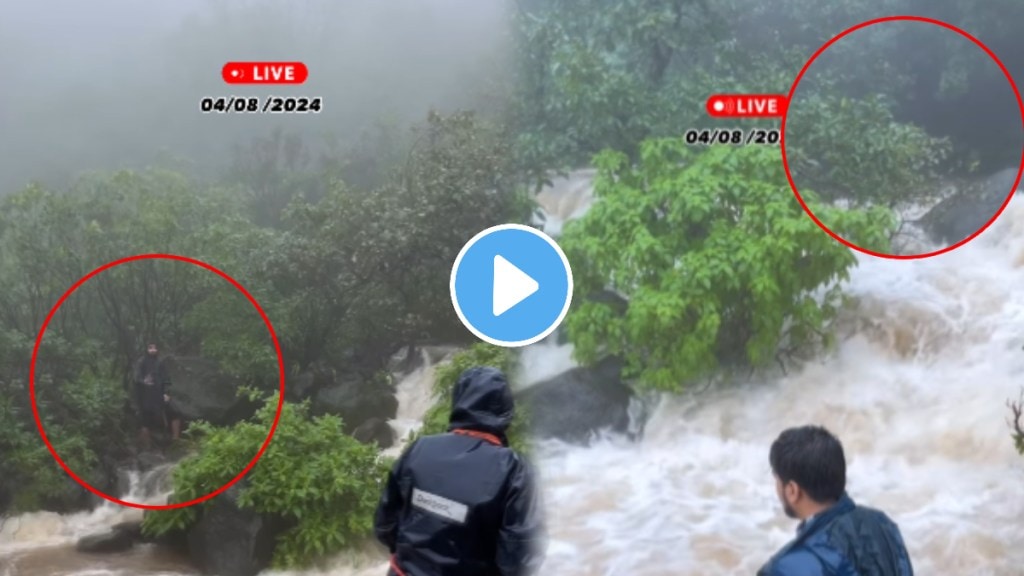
463	503
836	537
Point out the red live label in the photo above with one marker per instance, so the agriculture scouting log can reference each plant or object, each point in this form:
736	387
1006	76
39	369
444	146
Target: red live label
265	73
746	105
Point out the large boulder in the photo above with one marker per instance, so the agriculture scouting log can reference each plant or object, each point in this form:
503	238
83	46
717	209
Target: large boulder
230	541
201	391
304	384
576	405
375	430
114	540
299	387
356	399
967	210
412	357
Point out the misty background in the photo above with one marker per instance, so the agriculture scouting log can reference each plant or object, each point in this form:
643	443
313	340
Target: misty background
113	84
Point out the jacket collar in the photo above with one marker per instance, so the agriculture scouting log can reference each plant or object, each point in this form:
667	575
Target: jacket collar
825	517
810	526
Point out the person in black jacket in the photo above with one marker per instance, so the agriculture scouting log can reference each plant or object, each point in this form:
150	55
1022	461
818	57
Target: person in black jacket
463	503
152	396
836	537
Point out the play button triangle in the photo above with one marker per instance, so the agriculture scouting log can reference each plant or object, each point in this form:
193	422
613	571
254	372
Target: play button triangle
511	286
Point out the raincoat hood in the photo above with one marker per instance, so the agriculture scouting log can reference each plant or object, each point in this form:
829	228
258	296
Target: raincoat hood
482	401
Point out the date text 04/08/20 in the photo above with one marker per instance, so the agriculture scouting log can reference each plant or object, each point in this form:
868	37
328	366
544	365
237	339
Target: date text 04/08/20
253	105
733	136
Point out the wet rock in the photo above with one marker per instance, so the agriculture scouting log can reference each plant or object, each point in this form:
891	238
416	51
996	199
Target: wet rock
229	541
967	210
411	358
150	459
306	383
106	542
131	530
356	399
375	430
200	391
298	388
176	540
579	403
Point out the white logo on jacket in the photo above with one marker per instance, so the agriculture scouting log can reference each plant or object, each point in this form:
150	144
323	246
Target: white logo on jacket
439	505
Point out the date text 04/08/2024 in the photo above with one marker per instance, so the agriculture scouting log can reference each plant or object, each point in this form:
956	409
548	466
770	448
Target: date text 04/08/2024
254	105
735	136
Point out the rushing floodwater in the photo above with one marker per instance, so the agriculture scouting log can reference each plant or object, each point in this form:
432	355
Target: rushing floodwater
916	391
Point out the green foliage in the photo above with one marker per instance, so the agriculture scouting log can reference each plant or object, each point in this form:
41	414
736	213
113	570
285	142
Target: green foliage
446	375
367	271
313	476
94	403
81	414
235	335
854	150
346	271
609	79
721	267
28	472
48	241
596	79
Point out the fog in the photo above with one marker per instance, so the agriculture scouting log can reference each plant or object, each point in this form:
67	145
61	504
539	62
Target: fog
107	84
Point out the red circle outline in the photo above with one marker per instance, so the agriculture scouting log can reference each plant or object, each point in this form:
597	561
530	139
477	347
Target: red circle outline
789	100
76	286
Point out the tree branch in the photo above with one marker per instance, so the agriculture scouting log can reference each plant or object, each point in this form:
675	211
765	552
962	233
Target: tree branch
1017	421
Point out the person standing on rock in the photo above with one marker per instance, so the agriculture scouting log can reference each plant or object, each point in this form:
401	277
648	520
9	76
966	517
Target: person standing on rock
463	503
152	398
836	537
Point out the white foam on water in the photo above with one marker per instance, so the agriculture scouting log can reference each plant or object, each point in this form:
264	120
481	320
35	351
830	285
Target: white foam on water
415	395
916	393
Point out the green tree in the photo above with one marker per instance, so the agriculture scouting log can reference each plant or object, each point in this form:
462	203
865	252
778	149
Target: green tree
595	79
720	265
48	241
854	150
608	79
320	481
366	271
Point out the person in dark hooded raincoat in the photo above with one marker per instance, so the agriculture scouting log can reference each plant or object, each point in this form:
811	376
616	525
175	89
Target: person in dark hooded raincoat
463	503
836	537
151	394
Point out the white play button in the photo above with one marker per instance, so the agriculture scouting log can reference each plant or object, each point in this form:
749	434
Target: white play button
511	286
506	304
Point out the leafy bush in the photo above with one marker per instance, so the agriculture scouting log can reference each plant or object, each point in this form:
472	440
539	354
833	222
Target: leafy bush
720	265
854	149
446	375
81	411
29	476
346	274
312	475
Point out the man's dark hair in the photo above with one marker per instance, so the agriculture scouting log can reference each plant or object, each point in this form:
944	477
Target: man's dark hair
813	458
